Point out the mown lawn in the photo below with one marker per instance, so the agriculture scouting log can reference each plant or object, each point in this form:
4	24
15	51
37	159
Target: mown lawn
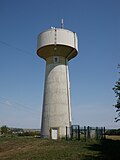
26	148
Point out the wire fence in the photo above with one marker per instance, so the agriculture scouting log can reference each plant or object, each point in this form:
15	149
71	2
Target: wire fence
85	133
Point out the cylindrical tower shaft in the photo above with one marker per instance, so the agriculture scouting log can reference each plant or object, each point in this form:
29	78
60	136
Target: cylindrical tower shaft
56	109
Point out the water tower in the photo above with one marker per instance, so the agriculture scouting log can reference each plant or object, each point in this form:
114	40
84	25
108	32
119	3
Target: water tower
56	46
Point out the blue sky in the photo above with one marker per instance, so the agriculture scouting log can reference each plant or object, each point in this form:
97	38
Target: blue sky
93	72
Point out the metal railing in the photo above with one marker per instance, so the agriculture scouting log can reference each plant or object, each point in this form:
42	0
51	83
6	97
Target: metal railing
84	133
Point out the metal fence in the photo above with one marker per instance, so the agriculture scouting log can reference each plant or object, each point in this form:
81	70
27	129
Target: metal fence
84	133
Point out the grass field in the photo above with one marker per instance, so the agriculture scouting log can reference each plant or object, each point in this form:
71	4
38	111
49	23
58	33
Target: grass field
26	148
115	137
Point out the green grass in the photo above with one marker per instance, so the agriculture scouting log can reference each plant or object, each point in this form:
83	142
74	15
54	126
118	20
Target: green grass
26	148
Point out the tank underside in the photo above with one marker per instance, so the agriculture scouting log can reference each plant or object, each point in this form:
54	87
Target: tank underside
57	50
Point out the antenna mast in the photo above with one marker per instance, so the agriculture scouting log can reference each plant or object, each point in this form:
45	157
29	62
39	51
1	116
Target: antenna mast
62	23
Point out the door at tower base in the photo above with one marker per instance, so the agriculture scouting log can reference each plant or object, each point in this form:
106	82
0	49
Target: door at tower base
54	132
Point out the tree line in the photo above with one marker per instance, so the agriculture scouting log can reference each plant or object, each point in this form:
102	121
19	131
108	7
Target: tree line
113	132
6	131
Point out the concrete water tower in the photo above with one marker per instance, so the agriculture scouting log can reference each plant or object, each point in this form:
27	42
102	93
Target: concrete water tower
56	46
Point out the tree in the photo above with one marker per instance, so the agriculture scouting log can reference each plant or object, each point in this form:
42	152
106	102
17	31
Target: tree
117	93
4	129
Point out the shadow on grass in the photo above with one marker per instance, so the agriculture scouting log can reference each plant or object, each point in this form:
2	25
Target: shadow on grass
107	149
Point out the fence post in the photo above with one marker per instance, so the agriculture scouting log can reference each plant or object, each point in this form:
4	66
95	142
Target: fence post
104	133
78	132
66	132
85	132
71	132
88	132
101	136
97	133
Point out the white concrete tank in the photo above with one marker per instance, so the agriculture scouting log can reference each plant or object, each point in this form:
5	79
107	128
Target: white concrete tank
57	46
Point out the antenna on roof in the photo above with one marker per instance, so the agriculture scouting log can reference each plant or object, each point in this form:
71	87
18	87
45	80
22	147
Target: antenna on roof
62	23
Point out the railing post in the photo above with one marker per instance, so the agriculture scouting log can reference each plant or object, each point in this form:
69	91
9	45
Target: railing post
97	133
71	132
78	132
85	132
88	132
66	132
104	133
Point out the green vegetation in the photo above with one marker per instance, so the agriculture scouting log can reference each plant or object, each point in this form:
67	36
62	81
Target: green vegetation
113	132
5	130
117	93
26	148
